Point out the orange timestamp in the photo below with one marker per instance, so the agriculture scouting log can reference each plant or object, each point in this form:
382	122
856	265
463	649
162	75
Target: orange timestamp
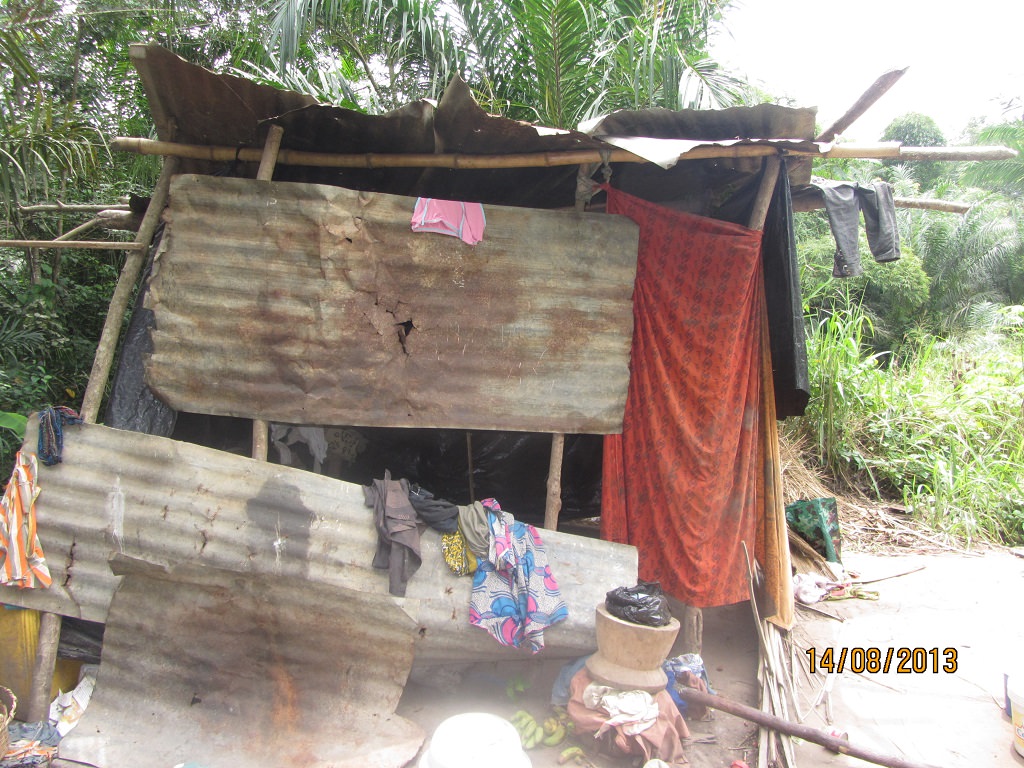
899	660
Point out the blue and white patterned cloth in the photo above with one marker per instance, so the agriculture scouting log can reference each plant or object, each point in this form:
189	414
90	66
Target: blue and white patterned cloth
515	596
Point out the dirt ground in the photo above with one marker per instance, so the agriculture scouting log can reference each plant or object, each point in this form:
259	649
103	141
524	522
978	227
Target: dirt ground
969	603
730	657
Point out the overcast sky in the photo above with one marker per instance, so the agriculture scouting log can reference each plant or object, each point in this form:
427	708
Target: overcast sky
964	59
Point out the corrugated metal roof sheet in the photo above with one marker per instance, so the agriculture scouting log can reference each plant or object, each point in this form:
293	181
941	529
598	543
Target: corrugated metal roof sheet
310	304
173	503
206	668
190	107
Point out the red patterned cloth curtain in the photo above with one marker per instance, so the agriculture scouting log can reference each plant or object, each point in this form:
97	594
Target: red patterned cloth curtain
683	480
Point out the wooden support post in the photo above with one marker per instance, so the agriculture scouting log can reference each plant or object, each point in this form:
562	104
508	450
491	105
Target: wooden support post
260	427
122	295
38	706
554	500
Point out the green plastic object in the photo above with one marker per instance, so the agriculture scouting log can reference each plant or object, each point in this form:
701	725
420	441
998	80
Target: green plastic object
817	521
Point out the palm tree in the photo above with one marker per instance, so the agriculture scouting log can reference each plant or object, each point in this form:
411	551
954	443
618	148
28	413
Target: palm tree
554	61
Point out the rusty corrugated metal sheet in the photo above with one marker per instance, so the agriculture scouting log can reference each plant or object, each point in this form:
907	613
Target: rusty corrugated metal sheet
190	106
310	304
165	501
204	667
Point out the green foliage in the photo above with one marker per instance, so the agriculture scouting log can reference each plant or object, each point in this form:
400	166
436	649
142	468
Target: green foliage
1004	176
553	61
943	429
916	130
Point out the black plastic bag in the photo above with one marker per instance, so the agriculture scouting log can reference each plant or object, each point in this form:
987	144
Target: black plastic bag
643	604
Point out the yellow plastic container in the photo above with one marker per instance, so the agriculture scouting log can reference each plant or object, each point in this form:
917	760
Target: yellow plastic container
1015	689
19	637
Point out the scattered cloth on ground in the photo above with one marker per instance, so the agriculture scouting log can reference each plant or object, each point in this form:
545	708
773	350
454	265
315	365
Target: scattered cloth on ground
560	690
449	217
22	563
515	596
844	203
398	531
662	739
51	432
687	671
31	744
633	711
682	481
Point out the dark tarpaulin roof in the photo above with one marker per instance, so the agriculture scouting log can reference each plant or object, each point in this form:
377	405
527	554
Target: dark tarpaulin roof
193	105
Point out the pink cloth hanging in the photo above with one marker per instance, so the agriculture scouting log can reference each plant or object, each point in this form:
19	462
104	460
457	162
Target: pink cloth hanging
450	217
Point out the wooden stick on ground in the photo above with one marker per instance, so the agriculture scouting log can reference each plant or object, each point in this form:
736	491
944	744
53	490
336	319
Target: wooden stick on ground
805	732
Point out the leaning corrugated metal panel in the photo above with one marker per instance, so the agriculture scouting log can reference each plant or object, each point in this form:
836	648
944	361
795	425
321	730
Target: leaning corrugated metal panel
203	667
169	502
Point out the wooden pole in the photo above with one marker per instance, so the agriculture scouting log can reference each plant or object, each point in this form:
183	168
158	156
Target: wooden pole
85	245
813	202
863	104
554	499
798	730
71	207
38	707
122	294
221	154
268	160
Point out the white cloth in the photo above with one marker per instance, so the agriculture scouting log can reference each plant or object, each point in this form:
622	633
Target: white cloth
636	711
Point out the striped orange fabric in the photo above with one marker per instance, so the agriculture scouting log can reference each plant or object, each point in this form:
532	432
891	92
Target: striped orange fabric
21	557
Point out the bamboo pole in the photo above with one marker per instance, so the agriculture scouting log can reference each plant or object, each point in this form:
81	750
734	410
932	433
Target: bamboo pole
799	730
85	245
122	294
548	159
60	207
863	104
807	202
90	224
268	160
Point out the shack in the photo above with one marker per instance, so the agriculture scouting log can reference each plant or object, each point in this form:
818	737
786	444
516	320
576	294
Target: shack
610	323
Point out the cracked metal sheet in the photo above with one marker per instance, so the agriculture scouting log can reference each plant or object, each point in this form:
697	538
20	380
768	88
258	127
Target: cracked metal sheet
172	503
212	668
310	304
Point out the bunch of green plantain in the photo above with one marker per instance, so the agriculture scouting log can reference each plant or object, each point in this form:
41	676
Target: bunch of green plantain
550	733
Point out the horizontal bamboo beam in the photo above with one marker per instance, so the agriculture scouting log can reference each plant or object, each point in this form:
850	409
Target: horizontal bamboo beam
543	159
807	202
69	208
85	245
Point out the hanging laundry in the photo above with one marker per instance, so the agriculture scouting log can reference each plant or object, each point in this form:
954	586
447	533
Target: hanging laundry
515	596
844	203
450	217
22	563
456	554
51	432
398	531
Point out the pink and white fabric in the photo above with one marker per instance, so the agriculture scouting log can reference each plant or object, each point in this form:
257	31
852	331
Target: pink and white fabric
450	217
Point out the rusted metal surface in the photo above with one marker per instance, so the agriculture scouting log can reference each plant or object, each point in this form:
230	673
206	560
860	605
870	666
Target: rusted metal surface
205	667
193	105
310	304
168	502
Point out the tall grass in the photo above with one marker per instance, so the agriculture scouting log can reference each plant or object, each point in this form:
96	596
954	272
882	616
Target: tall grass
941	428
